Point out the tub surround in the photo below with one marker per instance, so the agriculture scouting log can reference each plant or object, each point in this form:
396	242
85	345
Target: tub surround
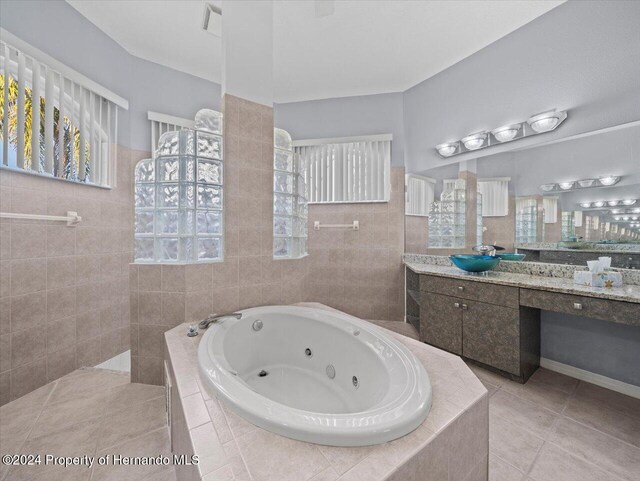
363	386
451	444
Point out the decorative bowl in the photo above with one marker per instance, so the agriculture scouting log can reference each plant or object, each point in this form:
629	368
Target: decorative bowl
474	263
511	256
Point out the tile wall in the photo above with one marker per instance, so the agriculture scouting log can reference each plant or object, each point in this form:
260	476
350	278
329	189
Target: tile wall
64	291
165	296
360	272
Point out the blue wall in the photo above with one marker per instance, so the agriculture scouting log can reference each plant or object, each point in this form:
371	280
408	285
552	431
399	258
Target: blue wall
606	348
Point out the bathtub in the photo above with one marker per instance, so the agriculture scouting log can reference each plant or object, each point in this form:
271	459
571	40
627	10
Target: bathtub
315	375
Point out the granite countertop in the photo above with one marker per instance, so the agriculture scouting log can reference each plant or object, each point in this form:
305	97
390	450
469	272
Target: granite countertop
601	252
628	293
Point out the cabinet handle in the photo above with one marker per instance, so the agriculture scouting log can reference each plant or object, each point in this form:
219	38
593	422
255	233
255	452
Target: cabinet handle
577	305
464	307
461	288
456	305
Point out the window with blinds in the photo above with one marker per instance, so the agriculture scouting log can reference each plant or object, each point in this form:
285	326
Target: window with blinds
347	170
163	123
420	194
495	196
55	121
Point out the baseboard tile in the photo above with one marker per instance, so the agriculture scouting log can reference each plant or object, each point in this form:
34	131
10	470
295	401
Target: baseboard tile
593	378
121	362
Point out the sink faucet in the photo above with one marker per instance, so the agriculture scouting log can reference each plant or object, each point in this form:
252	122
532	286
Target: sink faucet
487	250
213	318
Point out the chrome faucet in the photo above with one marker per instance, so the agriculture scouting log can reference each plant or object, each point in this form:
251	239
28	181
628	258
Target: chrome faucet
487	250
213	318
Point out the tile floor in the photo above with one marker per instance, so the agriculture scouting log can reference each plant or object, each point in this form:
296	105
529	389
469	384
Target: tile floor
554	428
88	412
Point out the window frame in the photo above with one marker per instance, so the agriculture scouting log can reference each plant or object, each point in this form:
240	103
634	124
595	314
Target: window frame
102	138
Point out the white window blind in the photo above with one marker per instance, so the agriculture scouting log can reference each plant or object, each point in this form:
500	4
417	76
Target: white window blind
495	197
449	184
577	218
347	170
420	194
550	206
163	123
55	121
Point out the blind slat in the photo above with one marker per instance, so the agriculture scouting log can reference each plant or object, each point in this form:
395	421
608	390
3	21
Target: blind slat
5	105
35	116
48	122
83	136
61	114
21	96
92	136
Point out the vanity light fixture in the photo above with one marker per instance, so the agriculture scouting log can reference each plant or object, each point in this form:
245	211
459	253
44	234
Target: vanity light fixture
474	141
616	211
609	180
635	217
612	203
537	124
566	185
598	203
586	182
636	210
447	149
547	187
506	133
586	205
617	218
625	218
547	121
629	201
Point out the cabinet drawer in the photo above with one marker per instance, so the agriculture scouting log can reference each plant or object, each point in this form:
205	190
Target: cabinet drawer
478	291
605	309
491	335
441	322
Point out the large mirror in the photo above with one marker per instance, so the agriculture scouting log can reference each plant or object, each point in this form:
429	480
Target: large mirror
564	202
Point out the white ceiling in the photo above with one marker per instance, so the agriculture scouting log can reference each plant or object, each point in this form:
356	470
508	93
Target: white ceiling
363	47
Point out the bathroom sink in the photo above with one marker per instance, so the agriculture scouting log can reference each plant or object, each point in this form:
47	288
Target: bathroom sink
474	263
511	256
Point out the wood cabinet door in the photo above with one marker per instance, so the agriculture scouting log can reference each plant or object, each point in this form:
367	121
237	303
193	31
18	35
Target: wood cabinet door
441	321
491	335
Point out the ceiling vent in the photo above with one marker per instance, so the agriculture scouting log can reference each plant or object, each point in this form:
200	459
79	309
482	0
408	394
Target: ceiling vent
212	21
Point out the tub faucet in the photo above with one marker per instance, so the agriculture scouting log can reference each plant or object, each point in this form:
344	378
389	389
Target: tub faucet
213	318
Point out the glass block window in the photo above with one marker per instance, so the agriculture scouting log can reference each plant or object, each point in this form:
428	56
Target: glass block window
179	196
290	195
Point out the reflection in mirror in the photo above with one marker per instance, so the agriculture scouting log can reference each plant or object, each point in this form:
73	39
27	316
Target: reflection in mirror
564	201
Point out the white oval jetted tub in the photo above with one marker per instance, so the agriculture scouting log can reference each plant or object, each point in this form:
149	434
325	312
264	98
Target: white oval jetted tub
314	375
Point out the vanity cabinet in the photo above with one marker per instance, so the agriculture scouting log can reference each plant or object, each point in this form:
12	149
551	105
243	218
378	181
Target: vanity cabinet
441	322
481	322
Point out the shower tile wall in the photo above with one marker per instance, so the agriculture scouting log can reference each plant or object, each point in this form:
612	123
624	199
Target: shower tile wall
360	272
64	292
165	296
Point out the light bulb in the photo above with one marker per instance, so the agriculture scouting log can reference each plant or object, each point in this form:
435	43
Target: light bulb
612	203
609	180
506	132
586	182
447	149
629	201
566	185
546	121
616	211
586	205
547	187
474	141
598	203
